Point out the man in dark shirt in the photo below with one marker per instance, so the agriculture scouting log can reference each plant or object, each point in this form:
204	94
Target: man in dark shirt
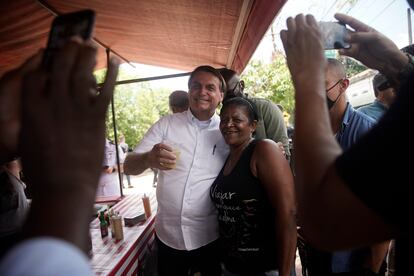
348	126
368	185
271	123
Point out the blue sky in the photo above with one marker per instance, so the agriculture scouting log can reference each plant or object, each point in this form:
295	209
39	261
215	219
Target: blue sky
387	16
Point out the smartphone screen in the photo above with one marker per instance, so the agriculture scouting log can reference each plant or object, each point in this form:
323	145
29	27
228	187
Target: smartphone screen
65	26
334	35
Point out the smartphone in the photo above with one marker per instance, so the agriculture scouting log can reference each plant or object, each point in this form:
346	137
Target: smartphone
334	35
65	26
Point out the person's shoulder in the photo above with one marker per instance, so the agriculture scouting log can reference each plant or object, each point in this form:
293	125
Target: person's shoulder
183	114
181	118
266	151
373	111
261	101
179	115
110	145
372	107
360	123
173	119
264	146
365	118
266	106
365	108
169	118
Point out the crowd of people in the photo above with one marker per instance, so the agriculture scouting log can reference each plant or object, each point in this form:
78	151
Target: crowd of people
228	203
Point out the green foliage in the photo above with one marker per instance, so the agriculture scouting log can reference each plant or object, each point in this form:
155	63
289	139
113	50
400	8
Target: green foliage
137	107
270	81
352	67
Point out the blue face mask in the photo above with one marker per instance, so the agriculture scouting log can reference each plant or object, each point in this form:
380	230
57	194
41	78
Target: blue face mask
329	102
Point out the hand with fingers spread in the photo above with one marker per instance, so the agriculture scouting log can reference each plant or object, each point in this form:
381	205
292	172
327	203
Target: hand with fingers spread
372	48
62	140
65	120
336	178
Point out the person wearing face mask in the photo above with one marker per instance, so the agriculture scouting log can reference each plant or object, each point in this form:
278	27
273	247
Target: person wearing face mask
348	125
367	183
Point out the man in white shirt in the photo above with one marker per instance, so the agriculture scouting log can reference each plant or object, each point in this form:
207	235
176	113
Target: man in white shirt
109	180
186	223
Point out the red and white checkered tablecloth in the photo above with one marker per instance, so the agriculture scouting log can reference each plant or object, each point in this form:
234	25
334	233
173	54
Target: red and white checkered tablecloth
124	257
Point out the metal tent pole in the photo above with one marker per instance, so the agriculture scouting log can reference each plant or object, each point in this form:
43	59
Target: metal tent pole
149	79
115	131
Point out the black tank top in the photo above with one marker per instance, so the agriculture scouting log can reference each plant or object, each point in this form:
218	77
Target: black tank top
246	219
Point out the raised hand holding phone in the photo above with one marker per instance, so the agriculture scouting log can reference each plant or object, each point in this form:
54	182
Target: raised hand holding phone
63	28
334	34
63	132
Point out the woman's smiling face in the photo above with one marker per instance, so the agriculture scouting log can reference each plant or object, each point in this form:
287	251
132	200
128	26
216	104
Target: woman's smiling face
235	124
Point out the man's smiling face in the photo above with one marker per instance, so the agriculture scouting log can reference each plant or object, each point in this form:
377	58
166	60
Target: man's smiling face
205	95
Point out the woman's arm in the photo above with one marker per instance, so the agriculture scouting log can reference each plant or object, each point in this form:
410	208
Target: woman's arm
271	167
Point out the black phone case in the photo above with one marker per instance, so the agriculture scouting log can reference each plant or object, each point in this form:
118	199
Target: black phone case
65	26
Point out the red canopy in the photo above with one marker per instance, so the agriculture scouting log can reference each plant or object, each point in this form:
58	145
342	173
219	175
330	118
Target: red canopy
179	34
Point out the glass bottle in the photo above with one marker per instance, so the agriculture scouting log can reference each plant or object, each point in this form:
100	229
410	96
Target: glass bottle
103	225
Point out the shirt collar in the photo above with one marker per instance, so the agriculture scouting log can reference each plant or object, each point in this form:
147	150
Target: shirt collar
348	114
213	121
345	121
380	104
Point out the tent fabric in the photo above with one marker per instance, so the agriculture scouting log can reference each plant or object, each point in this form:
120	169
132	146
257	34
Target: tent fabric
179	34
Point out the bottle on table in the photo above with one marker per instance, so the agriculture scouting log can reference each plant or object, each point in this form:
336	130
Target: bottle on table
117	226
103	224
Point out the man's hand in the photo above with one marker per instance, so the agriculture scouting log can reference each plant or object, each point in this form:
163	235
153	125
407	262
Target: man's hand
304	49
109	170
63	126
372	48
281	147
161	157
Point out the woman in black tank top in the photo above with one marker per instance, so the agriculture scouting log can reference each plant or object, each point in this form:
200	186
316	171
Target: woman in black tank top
254	196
